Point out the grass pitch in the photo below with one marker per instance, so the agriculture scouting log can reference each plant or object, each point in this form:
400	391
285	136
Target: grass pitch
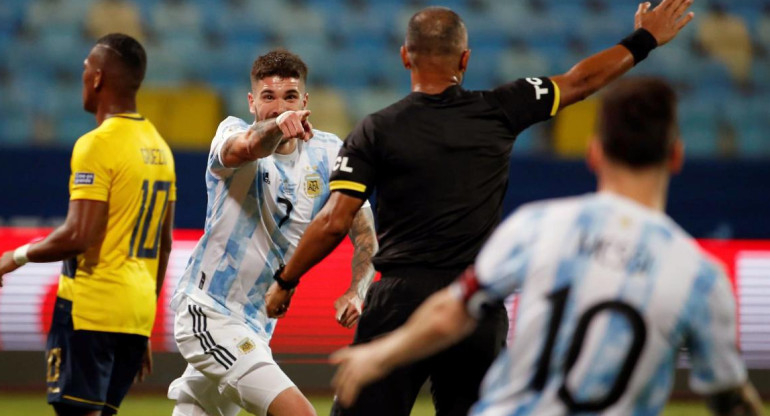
25	404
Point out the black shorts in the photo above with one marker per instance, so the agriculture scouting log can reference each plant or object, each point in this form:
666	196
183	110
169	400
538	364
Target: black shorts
455	373
89	369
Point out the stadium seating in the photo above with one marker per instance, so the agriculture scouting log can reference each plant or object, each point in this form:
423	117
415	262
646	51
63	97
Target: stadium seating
351	46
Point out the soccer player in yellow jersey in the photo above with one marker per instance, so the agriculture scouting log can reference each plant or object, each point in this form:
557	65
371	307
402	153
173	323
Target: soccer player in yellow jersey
115	241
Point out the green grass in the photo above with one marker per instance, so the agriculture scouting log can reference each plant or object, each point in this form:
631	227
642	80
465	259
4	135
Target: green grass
25	404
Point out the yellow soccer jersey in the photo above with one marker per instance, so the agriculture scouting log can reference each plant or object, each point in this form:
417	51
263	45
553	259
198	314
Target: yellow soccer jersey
125	163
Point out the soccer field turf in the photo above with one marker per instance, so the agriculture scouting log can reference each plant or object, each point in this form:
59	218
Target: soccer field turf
26	404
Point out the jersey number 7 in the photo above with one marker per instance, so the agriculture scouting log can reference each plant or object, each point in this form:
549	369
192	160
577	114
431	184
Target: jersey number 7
147	220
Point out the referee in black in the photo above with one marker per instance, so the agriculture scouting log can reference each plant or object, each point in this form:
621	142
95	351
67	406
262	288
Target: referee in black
438	160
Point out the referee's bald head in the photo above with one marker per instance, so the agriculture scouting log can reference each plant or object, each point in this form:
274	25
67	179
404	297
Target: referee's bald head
436	31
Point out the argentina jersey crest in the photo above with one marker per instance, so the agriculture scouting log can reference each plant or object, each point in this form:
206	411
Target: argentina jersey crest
256	216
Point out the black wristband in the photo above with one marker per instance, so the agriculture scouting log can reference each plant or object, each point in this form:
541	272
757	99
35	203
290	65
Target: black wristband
640	43
285	285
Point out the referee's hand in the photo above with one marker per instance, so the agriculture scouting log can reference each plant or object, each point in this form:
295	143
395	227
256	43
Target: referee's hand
665	21
277	301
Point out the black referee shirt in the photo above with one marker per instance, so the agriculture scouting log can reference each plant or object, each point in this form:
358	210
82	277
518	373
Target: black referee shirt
439	164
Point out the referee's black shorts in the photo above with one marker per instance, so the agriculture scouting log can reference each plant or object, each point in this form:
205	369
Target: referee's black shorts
455	374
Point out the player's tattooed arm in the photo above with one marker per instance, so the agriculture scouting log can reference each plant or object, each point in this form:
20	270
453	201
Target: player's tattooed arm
365	245
263	137
364	238
258	141
742	401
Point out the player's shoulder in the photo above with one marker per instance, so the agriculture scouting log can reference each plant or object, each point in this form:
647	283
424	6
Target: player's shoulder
325	139
230	124
95	138
555	207
531	215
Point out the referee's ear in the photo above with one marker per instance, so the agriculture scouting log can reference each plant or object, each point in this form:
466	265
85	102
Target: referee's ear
405	58
464	57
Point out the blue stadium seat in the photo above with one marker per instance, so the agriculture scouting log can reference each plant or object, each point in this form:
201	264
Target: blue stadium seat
318	54
11	15
354	66
750	115
65	98
482	70
675	62
242	22
526	142
176	17
73	124
597	29
698	118
236	101
163	67
521	63
348	22
354	50
15	127
187	53
760	73
26	88
364	101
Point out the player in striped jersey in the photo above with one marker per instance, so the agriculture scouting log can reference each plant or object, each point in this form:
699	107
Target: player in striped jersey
611	289
266	181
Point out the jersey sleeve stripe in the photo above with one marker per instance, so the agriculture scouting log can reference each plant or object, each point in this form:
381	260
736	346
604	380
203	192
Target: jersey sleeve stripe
349	185
556	98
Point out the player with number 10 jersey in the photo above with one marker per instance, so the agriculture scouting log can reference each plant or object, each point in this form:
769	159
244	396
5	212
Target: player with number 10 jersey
112	286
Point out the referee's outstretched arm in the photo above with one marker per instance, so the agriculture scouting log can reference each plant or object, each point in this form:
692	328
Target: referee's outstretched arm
654	28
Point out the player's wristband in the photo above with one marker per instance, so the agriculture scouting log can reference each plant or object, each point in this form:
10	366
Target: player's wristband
20	255
640	44
283	284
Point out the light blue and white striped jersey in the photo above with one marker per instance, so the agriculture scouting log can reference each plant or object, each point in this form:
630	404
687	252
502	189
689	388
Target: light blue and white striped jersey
610	293
255	217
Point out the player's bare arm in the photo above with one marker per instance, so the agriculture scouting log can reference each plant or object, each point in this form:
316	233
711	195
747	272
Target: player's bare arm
663	24
364	238
84	227
263	137
166	240
743	400
437	324
321	237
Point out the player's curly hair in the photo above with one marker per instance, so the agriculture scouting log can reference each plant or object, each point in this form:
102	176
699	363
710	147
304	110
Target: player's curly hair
279	62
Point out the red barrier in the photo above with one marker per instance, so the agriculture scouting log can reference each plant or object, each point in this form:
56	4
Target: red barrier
26	301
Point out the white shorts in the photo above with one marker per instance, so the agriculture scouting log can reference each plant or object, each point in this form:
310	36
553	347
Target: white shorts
229	365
